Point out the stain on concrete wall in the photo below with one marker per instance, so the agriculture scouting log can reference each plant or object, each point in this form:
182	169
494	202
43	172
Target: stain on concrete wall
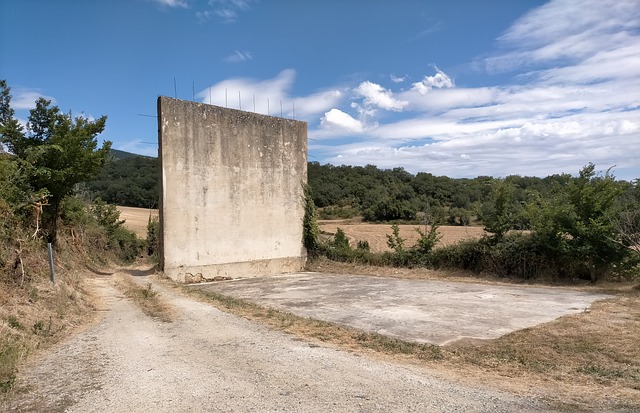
232	191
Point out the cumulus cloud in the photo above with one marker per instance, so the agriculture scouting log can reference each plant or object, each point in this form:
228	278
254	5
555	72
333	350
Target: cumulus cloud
439	80
397	79
376	96
573	100
238	56
337	119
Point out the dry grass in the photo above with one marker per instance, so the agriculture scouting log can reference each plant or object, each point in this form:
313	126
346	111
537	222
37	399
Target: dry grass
376	234
583	362
144	297
35	314
136	219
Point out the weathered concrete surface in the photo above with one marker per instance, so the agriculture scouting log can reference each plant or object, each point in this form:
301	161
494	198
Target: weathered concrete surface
434	312
232	191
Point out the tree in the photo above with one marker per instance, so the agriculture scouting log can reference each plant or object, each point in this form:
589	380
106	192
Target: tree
576	221
56	152
503	211
626	220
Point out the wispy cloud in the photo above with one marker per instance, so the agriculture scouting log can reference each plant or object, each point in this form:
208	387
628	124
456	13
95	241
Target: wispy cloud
172	3
573	99
227	11
24	99
271	96
238	56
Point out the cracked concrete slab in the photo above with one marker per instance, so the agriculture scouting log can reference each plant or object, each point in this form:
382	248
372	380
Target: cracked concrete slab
425	311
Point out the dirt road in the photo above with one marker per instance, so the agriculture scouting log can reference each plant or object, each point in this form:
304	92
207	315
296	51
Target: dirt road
209	361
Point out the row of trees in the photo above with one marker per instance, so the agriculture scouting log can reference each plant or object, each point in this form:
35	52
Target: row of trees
582	226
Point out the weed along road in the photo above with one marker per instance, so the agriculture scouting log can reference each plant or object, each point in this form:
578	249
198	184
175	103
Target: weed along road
206	360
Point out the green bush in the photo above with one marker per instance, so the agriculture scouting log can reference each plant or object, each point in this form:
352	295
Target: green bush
153	234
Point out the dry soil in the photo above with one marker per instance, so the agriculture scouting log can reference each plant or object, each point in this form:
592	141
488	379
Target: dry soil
210	361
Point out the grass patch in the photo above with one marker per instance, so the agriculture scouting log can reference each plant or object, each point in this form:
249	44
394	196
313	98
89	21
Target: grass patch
144	297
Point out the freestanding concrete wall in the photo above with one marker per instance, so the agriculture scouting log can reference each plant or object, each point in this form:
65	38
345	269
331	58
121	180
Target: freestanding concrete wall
232	199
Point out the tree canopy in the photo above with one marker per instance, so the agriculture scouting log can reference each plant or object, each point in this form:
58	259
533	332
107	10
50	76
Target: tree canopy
56	151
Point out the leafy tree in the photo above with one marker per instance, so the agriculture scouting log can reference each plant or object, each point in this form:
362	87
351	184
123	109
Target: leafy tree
575	222
626	220
310	228
56	152
340	240
502	212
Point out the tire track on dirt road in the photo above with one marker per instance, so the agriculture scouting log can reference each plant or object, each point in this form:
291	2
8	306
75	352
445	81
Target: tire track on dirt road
210	361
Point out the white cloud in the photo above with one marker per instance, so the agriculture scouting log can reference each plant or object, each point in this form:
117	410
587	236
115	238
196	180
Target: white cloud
228	11
574	100
271	96
172	3
376	96
569	30
238	56
439	80
397	79
316	103
337	119
26	99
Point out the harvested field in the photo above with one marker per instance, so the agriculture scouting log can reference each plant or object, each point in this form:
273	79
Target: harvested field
136	219
376	234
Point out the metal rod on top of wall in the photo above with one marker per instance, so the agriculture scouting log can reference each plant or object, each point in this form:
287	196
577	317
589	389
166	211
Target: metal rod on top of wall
209	94
281	115
268	109
226	101
239	101
175	88
193	91
294	110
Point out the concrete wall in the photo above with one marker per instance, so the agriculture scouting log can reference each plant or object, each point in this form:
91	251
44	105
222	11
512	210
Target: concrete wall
232	191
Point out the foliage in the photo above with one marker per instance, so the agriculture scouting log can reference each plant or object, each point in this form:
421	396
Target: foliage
427	239
310	228
394	240
340	240
153	236
501	216
131	180
576	222
55	153
576	227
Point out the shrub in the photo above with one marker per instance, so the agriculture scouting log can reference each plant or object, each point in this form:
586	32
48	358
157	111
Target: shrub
153	233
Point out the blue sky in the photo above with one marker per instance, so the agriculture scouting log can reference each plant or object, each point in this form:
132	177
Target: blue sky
457	88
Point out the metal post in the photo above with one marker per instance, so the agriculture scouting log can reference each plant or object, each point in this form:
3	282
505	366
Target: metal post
51	269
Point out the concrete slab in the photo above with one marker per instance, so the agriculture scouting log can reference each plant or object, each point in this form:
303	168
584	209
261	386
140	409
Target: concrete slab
423	311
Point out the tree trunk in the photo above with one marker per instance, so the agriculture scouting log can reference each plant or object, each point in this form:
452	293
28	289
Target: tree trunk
52	221
592	270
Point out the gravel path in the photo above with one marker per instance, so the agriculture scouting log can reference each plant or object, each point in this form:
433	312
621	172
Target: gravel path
210	361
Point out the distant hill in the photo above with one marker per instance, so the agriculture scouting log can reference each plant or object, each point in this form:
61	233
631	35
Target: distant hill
128	179
118	154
